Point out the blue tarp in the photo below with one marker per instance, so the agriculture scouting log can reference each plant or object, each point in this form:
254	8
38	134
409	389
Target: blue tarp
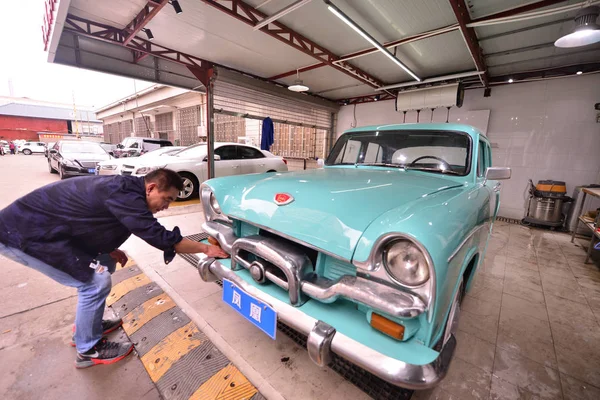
267	138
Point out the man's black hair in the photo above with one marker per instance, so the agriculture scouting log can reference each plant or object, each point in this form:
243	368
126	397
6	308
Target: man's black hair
165	179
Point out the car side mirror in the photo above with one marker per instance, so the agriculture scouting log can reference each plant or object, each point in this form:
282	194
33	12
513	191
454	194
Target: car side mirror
52	151
217	158
497	173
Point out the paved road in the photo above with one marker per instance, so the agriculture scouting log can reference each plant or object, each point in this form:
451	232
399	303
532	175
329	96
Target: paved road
36	317
20	174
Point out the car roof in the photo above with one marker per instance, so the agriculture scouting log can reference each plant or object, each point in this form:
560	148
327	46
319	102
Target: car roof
468	129
147	138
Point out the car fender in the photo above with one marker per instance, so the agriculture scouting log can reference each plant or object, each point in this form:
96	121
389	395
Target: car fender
440	222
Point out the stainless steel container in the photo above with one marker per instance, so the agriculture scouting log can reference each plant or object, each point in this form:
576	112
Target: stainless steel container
546	209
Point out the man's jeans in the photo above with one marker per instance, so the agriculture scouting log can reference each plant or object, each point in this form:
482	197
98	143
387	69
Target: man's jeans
91	299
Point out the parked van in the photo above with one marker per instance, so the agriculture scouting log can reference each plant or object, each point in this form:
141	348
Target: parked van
136	146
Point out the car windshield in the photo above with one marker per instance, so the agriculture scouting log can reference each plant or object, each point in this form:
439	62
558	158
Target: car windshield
80	147
197	150
431	151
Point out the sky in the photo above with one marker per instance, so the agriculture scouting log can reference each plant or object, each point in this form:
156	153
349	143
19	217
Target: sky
24	62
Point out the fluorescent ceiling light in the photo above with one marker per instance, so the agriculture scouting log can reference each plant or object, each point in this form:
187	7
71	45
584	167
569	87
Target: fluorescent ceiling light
338	13
586	31
579	72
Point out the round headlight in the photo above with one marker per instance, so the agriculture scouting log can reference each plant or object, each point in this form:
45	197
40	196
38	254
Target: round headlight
406	263
215	204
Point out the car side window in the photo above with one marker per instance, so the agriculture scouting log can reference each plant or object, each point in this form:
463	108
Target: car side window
249	153
227	152
481	160
134	145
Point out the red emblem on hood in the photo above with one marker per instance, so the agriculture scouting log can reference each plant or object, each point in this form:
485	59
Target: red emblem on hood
281	199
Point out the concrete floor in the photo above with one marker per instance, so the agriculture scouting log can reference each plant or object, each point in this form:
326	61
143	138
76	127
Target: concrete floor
529	328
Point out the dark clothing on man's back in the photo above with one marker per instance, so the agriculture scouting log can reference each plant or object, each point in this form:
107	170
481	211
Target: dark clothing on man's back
68	223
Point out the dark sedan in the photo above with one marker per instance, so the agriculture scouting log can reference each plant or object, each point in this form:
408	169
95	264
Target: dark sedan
75	158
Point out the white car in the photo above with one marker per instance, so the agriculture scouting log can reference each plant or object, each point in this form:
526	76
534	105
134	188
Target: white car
230	159
114	166
29	148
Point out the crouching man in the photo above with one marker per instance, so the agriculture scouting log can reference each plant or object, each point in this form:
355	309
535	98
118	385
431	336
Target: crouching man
70	231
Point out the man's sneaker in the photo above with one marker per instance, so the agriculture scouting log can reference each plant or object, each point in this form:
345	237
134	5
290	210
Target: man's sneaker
104	352
108	326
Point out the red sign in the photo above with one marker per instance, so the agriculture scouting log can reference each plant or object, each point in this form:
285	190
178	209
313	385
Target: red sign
281	199
48	21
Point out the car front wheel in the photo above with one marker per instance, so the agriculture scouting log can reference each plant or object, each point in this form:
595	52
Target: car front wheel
52	170
453	316
190	187
27	152
61	172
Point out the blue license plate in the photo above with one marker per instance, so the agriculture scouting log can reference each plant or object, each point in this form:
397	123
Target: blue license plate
260	314
92	171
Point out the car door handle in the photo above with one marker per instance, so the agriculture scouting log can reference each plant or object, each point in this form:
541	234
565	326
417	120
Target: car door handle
235	166
497	187
261	165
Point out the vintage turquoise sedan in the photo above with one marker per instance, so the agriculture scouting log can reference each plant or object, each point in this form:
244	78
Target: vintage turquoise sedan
369	257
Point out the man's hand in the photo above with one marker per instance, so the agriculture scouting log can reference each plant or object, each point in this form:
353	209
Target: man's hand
119	256
215	252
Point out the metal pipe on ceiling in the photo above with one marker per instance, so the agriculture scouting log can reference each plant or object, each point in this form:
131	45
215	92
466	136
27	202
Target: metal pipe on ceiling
400	42
532	15
284	11
431	80
520	50
264	3
365	35
528	28
373	50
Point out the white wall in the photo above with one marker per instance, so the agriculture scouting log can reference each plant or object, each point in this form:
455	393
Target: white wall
542	130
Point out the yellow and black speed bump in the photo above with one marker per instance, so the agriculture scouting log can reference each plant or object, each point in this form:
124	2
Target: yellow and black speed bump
178	357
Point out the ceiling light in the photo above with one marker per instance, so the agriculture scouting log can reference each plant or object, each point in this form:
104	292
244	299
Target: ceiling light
298	85
376	98
510	80
338	13
586	30
176	6
148	33
579	72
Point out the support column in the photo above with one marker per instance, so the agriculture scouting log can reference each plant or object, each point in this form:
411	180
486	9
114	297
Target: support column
207	76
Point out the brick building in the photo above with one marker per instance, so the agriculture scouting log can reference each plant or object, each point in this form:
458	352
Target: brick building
26	119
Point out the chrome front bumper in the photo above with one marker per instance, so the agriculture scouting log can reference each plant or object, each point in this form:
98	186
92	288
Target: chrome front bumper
323	339
300	281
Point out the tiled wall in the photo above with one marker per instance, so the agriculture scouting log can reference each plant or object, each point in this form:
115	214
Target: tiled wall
542	130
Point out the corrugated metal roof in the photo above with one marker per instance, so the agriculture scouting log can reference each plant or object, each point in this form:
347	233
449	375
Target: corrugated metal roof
36	111
206	32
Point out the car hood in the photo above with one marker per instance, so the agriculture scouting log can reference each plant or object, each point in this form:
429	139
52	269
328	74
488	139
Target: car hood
332	207
86	156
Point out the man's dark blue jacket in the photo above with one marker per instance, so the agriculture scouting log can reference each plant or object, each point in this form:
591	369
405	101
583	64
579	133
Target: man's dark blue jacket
68	223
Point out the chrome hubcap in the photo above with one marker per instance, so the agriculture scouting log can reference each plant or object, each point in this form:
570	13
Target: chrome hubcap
188	189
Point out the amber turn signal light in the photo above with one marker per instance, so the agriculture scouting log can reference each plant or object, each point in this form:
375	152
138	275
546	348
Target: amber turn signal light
387	326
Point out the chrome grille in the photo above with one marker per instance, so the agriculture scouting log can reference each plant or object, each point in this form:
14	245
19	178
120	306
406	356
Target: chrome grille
89	164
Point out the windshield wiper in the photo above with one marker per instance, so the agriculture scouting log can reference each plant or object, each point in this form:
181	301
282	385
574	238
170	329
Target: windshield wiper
440	170
380	165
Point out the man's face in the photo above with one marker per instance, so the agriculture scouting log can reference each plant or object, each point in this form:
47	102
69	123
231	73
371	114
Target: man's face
159	200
